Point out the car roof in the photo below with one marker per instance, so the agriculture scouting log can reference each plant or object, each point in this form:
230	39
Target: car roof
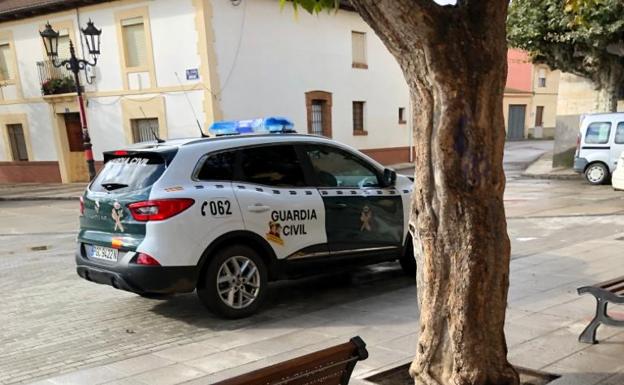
225	141
603	115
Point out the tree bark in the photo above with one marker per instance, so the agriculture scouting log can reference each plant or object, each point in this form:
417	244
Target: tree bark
454	61
611	79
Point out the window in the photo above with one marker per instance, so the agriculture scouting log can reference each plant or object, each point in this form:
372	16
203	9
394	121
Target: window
319	112
135	47
358	49
63	44
541	78
17	142
598	133
143	130
218	167
619	133
402	115
7	72
358	117
129	173
272	166
337	168
539	116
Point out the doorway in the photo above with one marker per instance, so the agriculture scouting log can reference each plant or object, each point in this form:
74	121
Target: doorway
515	121
76	165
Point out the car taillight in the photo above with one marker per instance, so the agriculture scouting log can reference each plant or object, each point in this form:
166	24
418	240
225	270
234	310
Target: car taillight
82	206
159	209
146	259
578	144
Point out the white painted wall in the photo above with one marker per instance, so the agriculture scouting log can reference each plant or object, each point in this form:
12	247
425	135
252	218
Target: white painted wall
282	56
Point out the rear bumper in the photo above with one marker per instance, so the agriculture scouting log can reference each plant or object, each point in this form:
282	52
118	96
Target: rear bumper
580	164
139	279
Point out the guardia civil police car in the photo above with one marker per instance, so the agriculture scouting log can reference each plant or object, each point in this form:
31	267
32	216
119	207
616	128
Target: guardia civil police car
225	215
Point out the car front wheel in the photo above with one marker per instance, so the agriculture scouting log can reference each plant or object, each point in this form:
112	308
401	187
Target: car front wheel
235	282
597	173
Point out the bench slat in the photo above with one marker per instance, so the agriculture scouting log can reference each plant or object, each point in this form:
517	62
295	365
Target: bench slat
609	283
328	367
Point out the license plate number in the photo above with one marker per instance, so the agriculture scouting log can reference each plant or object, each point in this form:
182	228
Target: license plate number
104	253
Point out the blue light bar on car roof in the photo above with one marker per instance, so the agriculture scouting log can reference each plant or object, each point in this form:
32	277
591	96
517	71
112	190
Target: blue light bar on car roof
272	124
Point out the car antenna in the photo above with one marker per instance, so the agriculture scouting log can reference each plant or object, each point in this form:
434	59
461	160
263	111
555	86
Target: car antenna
201	132
158	140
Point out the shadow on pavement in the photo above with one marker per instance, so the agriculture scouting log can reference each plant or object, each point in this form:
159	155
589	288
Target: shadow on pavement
294	297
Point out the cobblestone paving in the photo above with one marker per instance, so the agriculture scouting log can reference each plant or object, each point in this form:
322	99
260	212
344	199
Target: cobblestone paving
53	322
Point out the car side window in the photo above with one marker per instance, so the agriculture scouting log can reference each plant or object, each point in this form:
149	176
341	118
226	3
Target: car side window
277	166
598	133
337	168
619	133
218	166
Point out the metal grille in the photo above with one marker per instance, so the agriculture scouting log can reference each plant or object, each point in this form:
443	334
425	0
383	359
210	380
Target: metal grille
18	143
143	129
317	117
358	116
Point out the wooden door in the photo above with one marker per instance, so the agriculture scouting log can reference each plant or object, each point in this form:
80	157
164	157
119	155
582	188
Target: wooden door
515	121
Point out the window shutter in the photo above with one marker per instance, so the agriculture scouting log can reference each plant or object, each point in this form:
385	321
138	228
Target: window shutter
63	44
358	42
18	143
6	62
134	40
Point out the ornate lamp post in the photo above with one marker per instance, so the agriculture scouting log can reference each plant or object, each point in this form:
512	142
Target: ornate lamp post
75	65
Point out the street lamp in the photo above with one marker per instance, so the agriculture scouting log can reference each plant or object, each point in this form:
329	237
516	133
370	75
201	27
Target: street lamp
75	65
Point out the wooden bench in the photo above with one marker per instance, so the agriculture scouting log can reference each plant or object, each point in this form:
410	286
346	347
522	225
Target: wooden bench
605	292
331	366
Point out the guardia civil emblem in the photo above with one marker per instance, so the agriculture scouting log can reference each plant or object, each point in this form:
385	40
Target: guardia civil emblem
366	219
117	215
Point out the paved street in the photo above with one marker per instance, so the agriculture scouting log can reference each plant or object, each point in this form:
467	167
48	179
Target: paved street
59	329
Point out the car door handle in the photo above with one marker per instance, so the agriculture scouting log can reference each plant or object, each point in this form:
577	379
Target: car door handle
258	208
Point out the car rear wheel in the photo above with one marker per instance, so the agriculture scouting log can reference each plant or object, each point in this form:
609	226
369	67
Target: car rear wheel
597	173
235	282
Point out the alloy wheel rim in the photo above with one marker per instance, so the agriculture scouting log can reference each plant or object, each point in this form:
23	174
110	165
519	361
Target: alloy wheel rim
596	174
238	282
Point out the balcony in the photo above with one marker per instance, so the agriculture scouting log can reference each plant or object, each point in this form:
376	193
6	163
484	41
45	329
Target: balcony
55	81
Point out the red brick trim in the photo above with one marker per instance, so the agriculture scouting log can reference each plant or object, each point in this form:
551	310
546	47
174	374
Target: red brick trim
360	132
22	172
389	155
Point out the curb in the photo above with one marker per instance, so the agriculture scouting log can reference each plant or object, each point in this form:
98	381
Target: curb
551	176
23	199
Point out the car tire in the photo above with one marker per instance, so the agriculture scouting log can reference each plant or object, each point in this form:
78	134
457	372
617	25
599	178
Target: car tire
407	261
597	173
235	282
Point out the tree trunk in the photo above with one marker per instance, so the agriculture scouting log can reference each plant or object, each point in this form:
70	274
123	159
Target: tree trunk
454	61
610	82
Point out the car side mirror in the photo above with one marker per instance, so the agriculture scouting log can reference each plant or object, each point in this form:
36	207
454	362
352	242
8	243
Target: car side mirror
389	177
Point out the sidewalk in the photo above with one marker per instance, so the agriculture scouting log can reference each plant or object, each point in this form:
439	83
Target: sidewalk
544	318
542	169
41	191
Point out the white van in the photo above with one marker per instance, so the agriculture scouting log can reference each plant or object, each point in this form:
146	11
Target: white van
599	145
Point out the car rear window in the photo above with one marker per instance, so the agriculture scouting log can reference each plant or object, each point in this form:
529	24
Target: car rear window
129	173
598	133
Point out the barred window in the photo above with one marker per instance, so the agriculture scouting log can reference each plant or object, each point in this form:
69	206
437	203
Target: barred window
143	130
358	116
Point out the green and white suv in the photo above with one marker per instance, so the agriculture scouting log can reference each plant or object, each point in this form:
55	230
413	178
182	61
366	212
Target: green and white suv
226	215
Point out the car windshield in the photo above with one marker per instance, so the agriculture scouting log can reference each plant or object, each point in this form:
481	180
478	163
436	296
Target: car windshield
129	173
